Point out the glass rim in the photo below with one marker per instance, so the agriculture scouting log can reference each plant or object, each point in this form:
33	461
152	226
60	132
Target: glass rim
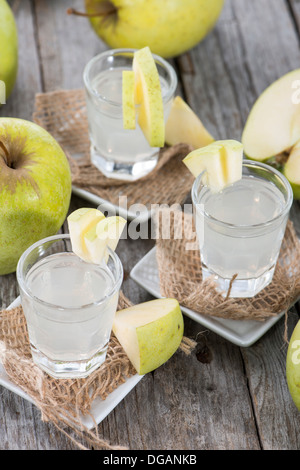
249	163
113	52
22	282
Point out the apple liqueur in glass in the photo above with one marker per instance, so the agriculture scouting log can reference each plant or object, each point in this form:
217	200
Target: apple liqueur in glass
115	151
69	306
240	229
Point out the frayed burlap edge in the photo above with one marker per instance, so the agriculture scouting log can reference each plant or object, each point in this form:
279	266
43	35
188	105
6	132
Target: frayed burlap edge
63	114
179	266
64	401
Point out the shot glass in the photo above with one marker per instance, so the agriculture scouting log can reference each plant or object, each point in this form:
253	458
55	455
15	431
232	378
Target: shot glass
69	306
240	229
117	152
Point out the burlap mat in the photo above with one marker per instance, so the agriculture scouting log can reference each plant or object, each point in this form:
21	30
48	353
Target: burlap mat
65	401
63	114
178	258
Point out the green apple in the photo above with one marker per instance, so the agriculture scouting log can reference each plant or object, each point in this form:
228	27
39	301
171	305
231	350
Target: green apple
272	128
293	366
221	162
169	28
8	47
149	332
35	188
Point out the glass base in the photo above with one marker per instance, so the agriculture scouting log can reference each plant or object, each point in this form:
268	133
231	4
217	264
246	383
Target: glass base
124	171
68	369
240	288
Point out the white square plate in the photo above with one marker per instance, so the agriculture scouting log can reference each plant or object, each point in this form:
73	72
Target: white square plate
241	332
99	409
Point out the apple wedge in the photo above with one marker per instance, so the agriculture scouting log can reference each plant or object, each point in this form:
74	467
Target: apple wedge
221	163
150	332
184	126
293	366
105	233
128	99
148	97
79	223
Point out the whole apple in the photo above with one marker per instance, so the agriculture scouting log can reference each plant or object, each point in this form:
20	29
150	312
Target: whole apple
8	47
168	27
35	188
293	366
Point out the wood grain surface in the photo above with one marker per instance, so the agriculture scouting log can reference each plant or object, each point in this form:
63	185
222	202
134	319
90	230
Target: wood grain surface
222	397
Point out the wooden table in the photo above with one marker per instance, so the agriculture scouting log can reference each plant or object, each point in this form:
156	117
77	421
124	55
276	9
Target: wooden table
222	396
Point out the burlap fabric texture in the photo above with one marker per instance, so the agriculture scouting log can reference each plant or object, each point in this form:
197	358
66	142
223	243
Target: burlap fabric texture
179	265
65	401
63	114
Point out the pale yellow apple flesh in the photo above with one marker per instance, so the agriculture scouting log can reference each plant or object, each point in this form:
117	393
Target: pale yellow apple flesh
148	96
150	333
220	163
128	102
184	126
293	366
91	233
79	223
273	124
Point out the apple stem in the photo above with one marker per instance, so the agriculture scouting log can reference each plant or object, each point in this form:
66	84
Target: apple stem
4	150
106	9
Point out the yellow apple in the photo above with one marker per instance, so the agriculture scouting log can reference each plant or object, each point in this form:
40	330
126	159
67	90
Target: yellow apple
35	188
168	27
8	49
272	129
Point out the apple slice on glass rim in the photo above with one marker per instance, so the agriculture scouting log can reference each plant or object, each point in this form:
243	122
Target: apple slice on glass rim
148	96
91	233
221	162
129	115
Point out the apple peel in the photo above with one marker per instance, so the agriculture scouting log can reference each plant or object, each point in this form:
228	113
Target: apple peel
128	102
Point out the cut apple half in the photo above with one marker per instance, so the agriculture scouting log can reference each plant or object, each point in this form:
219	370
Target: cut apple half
128	102
150	332
184	126
220	163
148	96
273	124
79	223
272	130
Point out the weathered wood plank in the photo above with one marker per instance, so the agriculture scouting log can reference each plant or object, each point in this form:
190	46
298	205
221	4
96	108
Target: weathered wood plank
254	44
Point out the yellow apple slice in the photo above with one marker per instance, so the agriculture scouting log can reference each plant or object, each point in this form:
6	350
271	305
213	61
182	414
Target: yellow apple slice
128	101
148	96
106	233
150	332
80	222
220	162
184	126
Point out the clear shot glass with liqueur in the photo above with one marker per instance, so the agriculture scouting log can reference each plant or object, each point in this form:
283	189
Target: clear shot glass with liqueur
240	229
117	152
69	305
